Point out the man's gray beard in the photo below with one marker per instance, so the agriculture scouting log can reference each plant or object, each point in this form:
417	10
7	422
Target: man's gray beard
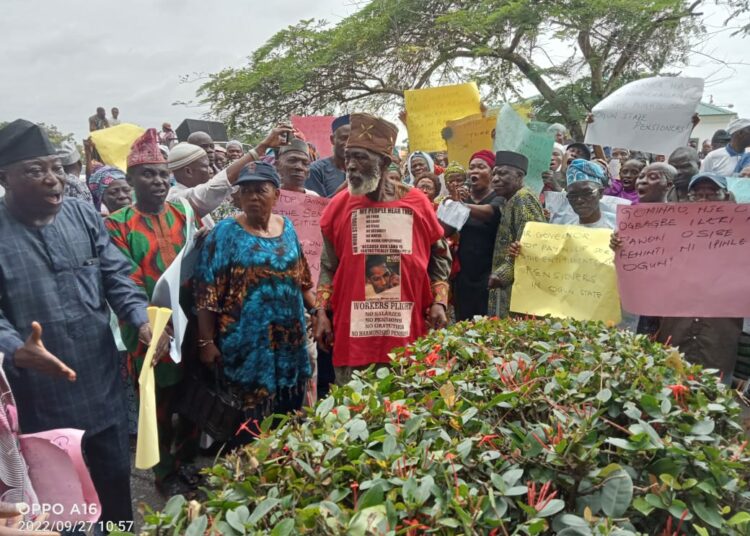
369	185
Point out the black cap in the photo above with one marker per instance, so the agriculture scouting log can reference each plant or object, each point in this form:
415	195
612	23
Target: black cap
339	122
509	158
258	172
583	147
23	140
721	136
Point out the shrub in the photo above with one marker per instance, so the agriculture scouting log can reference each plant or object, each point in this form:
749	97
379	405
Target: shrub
496	427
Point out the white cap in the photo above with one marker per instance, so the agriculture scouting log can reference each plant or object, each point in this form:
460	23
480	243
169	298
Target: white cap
737	125
184	154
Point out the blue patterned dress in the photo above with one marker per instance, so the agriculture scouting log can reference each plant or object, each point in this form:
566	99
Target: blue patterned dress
255	286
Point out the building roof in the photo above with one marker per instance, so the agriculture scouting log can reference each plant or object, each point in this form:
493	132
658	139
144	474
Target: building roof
709	109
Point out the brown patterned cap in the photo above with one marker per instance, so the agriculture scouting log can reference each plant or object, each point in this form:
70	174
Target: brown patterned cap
372	133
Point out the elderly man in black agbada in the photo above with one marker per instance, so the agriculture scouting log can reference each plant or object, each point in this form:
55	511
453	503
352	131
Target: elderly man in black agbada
58	272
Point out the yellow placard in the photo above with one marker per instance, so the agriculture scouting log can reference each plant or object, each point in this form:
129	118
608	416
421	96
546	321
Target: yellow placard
429	109
566	271
147	448
468	135
113	143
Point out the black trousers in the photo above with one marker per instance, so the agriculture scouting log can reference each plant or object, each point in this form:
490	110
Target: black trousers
107	455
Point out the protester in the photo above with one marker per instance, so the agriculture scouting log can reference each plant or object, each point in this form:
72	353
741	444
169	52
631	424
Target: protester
655	182
66	377
520	208
559	132
204	141
623	155
477	239
624	187
234	150
115	117
731	159
328	174
98	121
441	158
720	139
577	150
252	284
407	219
584	192
711	342
109	186
553	180
167	136
455	181
220	156
70	159
394	173
293	166
419	163
150	233
429	184
706	148
687	163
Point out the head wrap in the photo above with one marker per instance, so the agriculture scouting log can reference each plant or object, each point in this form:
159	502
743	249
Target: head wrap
424	156
258	172
455	168
219	149
234	143
23	140
372	133
340	121
583	147
68	153
145	150
184	154
582	170
295	145
558	148
737	125
717	179
100	180
484	154
555	128
509	158
393	167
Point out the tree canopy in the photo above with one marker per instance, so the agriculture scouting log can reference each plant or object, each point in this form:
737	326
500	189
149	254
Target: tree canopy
571	53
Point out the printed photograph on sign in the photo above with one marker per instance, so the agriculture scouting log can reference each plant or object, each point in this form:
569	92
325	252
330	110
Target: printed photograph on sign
382	231
382	277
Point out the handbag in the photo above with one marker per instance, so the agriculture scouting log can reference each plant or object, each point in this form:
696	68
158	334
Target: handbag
210	403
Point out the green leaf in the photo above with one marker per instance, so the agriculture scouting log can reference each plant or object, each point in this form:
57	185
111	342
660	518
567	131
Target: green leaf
450	522
554	506
604	395
325	406
700	530
238	518
512	476
702	428
642	505
174	506
389	446
621	443
617	493
285	528
198	526
371	497
262	509
709	514
678	508
738	519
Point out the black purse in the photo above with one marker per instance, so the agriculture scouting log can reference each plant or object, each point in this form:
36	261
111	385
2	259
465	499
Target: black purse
210	403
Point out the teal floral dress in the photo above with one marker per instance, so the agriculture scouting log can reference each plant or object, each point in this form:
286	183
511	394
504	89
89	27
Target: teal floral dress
255	287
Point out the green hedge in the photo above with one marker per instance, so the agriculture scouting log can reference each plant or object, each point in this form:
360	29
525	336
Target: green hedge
495	427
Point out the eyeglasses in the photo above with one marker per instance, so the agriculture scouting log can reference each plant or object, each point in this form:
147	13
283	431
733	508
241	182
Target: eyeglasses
582	195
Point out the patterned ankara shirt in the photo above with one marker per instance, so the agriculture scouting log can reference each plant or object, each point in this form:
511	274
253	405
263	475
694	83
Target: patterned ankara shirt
520	209
150	242
62	275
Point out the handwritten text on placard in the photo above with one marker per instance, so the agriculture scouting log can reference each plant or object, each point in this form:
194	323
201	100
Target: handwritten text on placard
687	259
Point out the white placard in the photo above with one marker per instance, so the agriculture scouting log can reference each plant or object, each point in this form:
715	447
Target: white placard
652	114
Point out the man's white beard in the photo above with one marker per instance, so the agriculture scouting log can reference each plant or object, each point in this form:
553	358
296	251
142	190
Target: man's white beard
369	185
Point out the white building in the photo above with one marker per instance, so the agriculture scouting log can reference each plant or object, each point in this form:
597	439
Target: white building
713	118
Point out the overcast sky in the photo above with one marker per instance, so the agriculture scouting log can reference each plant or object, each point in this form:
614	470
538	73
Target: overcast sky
62	59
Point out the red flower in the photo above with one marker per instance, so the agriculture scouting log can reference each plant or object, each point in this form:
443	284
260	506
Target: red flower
431	358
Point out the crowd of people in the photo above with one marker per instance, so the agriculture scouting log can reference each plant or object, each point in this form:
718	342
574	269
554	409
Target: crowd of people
75	256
